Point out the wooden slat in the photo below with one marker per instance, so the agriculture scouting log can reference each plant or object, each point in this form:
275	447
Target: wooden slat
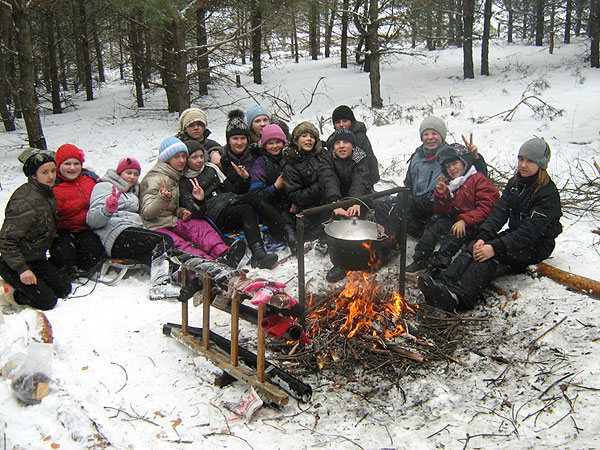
206	313
260	345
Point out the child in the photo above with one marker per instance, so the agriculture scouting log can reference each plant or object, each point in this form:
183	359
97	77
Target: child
343	173
28	231
203	193
531	205
257	118
343	117
160	210
462	200
193	126
76	247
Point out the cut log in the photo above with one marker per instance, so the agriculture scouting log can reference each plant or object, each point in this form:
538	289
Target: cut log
577	283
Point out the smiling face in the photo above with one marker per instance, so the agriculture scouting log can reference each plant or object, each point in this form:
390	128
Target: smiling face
455	168
306	141
259	123
431	139
178	161
70	169
130	176
195	130
274	147
196	160
238	143
46	174
527	168
343	149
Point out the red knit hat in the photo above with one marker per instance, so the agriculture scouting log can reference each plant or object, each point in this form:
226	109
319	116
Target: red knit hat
128	162
68	151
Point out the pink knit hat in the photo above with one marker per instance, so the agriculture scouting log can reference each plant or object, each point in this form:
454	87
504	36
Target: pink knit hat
128	162
272	131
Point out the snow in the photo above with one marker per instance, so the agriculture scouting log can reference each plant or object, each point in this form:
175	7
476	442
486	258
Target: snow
118	382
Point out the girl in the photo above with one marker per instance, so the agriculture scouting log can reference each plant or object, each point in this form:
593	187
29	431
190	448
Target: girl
204	193
462	200
160	210
257	118
193	126
76	247
28	231
531	205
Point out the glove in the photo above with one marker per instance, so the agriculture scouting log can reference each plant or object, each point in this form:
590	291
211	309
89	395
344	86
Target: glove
112	202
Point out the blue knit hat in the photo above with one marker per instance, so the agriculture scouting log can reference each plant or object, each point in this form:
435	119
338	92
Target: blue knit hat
256	111
170	147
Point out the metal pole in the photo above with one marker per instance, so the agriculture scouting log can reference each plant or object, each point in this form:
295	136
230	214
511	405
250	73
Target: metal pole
403	228
301	274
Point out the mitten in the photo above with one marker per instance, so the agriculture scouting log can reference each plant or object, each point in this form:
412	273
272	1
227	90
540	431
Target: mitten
112	202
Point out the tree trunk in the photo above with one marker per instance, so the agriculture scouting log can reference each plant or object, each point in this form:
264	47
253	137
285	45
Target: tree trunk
52	60
81	18
374	73
579	7
428	30
569	9
539	23
5	93
181	81
255	22
485	39
344	42
552	14
27	96
595	33
135	51
510	21
468	13
313	25
203	62
329	29
295	34
98	50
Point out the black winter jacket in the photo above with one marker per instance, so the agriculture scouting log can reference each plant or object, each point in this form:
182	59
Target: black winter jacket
533	219
234	182
216	198
341	178
301	177
29	225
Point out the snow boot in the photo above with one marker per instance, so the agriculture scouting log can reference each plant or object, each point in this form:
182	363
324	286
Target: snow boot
160	280
290	237
260	258
437	294
234	255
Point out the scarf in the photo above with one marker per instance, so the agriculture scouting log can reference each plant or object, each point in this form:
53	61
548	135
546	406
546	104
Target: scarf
459	181
189	173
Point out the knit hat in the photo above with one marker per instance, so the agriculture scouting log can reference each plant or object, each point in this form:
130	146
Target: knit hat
33	159
342	112
193	147
433	123
191	115
256	111
272	131
236	125
342	134
128	162
170	147
537	150
452	153
68	151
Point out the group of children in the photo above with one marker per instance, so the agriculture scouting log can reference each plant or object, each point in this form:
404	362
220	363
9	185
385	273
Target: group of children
198	190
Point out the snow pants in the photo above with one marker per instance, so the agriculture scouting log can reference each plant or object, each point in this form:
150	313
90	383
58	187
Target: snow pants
140	245
76	250
197	237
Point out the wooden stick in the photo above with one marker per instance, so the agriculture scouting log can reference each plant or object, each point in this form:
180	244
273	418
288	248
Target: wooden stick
184	305
407	354
206	313
548	330
575	282
235	327
260	345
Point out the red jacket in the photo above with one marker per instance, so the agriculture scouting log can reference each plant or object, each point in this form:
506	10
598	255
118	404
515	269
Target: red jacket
472	202
73	199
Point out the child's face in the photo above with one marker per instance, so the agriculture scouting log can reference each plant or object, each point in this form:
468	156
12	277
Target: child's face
70	168
431	139
455	168
274	147
130	176
343	149
196	160
259	123
526	167
195	130
178	161
306	141
238	143
342	123
46	174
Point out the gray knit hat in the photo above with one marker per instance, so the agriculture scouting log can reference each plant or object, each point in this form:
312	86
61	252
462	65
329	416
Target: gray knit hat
433	123
537	150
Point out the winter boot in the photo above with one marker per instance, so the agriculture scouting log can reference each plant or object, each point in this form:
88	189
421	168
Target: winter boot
160	280
437	293
234	255
335	274
290	237
260	258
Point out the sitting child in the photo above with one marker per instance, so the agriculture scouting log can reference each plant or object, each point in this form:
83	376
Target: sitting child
28	231
462	200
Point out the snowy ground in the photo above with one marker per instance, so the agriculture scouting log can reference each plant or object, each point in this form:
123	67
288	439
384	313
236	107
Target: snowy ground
119	383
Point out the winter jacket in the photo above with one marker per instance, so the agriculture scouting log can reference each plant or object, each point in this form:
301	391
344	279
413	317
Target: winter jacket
362	141
347	177
215	196
472	202
157	211
301	176
73	197
29	225
107	225
533	219
207	143
423	172
263	174
234	182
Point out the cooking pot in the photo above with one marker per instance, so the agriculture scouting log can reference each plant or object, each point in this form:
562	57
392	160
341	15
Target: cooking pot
355	243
